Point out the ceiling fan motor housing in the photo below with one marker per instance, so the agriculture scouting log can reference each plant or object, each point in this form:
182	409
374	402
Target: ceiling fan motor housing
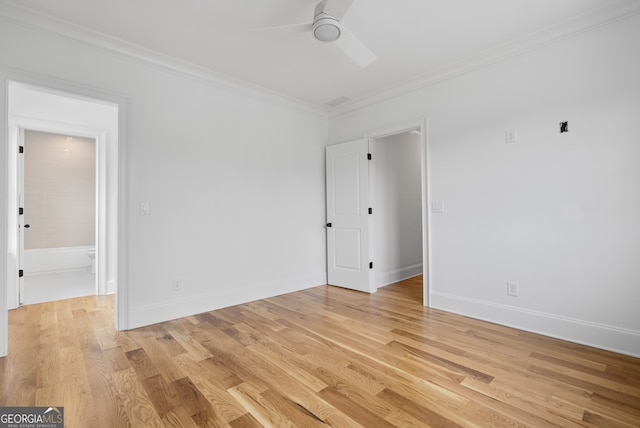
326	28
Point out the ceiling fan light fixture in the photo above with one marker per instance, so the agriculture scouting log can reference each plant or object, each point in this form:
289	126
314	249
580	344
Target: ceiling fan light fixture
326	29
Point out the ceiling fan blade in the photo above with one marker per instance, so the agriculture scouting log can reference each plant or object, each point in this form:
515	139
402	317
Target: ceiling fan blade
337	8
355	49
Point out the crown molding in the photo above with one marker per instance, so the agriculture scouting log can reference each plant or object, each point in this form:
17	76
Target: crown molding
594	19
34	20
539	39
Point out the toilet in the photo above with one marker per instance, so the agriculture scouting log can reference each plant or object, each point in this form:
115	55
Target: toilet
91	252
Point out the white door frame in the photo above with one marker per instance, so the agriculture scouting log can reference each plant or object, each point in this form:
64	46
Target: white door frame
8	268
18	299
419	124
18	124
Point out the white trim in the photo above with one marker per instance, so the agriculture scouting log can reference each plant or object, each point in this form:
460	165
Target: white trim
553	34
601	336
420	124
205	302
4	221
395	275
35	20
111	287
102	213
121	287
594	19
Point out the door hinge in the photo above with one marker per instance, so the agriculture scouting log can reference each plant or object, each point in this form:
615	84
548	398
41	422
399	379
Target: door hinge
20	149
20	273
370	265
20	211
368	156
370	210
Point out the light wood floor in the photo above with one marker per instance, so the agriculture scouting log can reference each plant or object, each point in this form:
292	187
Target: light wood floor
320	357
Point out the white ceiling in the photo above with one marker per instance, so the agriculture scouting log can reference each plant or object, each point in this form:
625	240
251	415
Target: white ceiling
414	40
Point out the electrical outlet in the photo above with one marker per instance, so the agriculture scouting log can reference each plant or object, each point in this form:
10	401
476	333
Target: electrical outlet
177	285
510	136
437	207
512	289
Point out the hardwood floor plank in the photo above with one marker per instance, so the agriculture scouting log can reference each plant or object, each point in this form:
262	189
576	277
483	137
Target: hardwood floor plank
182	418
602	389
587	376
142	364
260	408
99	366
140	411
596	420
355	411
246	421
289	363
444	363
358	396
423	414
614	410
224	406
547	411
191	346
297	414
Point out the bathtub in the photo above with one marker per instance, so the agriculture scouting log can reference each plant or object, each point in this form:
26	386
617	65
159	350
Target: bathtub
47	260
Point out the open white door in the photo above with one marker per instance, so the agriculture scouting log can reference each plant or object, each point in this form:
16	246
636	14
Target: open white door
348	221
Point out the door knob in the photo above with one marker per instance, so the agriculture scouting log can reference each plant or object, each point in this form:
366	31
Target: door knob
27	226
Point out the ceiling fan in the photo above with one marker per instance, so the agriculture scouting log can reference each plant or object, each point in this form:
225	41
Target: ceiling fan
326	27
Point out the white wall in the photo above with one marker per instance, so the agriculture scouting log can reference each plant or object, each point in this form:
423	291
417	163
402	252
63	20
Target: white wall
59	190
234	179
558	214
397	207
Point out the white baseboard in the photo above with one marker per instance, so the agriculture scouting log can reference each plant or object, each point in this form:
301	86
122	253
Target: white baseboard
111	286
48	260
196	304
395	275
601	336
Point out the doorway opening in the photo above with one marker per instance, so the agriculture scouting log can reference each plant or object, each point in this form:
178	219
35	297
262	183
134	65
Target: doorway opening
397	200
399	193
58	191
41	109
46	104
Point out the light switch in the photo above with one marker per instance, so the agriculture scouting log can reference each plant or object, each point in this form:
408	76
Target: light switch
144	208
437	207
510	136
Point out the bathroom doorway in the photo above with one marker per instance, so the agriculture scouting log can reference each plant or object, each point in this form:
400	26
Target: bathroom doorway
47	111
58	197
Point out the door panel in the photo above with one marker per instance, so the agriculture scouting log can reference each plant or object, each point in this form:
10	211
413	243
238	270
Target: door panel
347	246
348	222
